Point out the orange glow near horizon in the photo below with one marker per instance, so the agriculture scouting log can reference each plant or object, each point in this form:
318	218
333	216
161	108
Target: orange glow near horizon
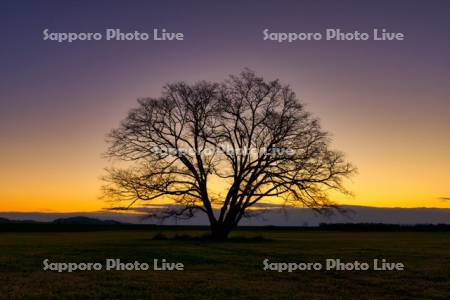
68	184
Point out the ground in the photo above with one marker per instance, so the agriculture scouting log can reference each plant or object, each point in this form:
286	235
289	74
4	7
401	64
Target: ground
225	270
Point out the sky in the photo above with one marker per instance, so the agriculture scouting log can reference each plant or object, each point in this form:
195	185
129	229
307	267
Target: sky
386	103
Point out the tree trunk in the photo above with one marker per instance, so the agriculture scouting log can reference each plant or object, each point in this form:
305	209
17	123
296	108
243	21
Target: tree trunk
220	232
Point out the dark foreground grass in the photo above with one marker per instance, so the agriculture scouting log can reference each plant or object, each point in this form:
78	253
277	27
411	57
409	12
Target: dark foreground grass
225	270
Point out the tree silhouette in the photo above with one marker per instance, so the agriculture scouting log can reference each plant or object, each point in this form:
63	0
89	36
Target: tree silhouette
221	149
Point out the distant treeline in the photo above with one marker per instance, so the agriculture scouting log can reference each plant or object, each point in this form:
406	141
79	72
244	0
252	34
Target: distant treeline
71	227
54	227
383	227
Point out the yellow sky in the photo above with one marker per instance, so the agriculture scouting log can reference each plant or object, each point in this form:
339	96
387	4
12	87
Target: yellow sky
50	178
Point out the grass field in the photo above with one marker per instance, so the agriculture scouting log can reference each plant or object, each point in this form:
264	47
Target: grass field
225	270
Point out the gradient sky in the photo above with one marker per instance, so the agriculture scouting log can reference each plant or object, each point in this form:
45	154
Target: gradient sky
387	104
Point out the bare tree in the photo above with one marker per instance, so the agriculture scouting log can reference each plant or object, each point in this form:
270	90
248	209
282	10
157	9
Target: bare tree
222	148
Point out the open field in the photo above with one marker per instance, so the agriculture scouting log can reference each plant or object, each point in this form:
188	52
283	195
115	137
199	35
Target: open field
232	269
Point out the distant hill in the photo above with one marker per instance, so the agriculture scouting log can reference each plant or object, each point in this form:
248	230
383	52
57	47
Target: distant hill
79	220
85	221
8	221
